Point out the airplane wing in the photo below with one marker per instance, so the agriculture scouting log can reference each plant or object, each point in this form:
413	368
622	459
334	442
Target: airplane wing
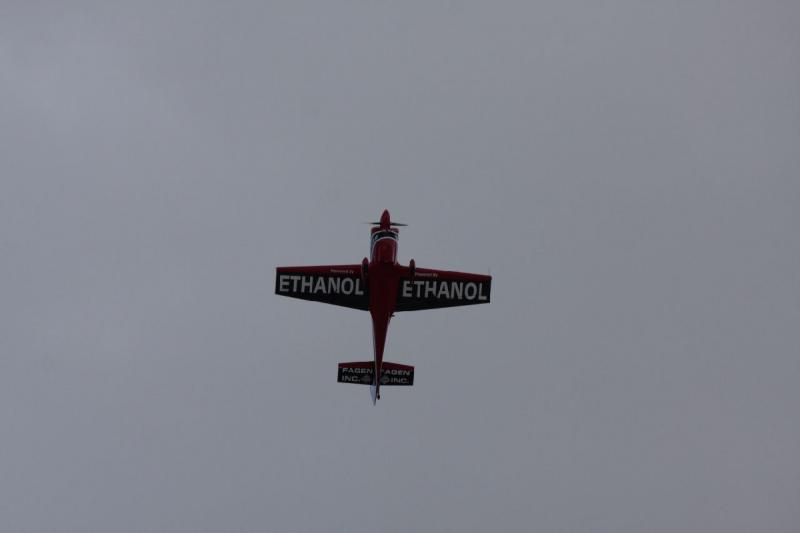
330	284
431	289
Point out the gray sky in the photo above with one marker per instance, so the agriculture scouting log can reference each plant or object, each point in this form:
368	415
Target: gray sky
627	170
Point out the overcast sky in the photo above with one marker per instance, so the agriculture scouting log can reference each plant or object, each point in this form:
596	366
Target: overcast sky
629	173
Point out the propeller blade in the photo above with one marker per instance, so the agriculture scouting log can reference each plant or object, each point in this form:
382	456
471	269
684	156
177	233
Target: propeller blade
393	223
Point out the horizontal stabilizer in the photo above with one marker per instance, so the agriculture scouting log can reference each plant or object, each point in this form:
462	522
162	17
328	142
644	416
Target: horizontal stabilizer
361	373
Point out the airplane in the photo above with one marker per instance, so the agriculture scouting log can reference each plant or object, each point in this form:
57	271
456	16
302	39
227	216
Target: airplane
381	286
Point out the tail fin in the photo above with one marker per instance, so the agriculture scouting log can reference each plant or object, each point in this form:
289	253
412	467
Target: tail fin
361	373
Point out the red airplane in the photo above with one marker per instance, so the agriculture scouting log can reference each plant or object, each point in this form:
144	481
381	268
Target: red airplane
382	286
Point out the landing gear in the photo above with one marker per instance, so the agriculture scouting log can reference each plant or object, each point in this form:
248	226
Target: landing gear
364	270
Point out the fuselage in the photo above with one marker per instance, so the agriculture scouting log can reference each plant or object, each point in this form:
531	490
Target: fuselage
383	279
382	286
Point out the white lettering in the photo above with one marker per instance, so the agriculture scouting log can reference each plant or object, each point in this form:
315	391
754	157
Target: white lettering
457	290
396	372
474	289
480	293
347	286
295	280
393	380
356	370
333	285
444	291
430	289
283	281
359	292
306	284
406	289
419	285
320	286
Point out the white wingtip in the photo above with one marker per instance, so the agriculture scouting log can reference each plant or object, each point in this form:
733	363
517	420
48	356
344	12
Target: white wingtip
373	390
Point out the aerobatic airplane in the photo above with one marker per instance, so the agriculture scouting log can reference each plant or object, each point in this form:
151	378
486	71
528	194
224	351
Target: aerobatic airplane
382	286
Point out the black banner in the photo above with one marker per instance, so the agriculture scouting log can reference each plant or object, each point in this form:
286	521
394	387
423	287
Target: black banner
431	293
391	375
343	289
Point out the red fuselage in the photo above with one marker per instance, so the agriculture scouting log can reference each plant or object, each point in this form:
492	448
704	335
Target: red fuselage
383	278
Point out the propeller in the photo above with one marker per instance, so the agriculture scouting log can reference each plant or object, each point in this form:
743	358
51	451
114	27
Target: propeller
392	223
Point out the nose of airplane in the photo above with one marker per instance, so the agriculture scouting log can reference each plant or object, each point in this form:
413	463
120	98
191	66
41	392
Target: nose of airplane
385	219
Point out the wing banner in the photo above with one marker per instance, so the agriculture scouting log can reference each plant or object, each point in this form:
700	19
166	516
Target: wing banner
431	289
330	284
